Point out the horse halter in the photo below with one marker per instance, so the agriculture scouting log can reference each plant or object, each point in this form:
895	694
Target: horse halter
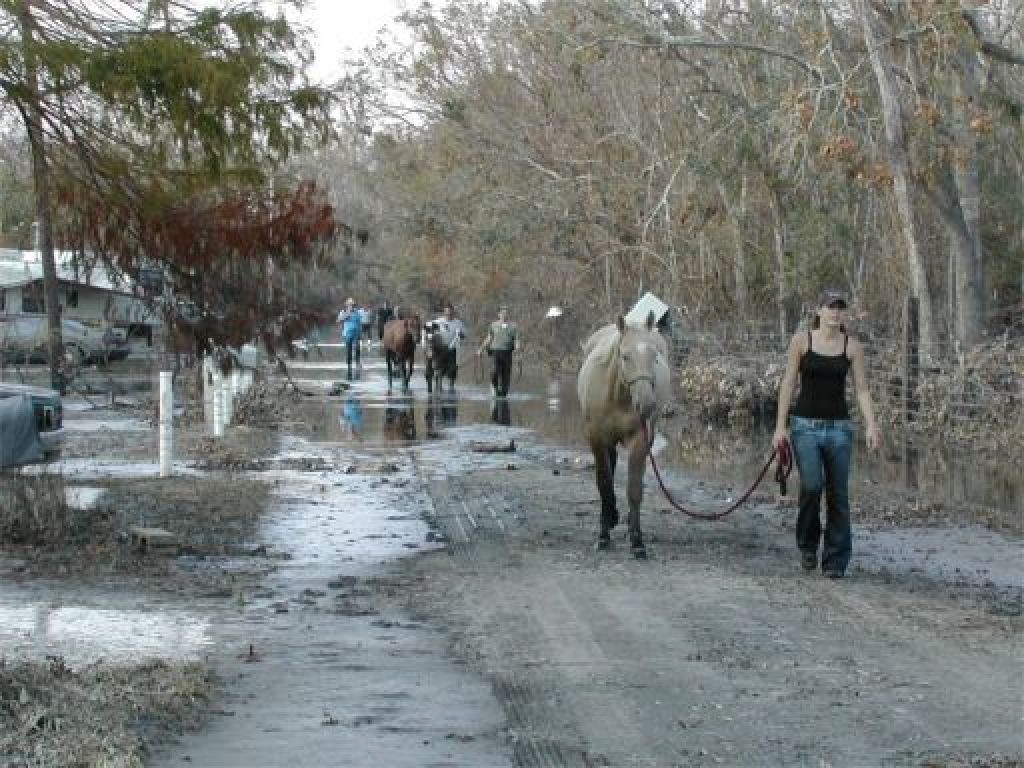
642	377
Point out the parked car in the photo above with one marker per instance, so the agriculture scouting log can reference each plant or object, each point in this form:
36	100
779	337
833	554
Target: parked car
23	339
48	409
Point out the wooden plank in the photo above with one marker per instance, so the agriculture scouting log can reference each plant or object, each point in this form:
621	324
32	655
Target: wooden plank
144	539
479	446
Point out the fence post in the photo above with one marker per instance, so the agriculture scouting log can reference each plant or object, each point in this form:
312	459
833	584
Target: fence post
911	359
166	423
218	402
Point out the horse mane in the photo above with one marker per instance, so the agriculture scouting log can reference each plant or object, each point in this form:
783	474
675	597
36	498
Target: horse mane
603	349
603	344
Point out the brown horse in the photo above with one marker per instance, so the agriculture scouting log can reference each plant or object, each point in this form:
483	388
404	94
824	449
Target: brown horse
400	338
623	385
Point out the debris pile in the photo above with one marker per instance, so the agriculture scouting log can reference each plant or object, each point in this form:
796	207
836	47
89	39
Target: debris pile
979	402
264	405
732	391
51	714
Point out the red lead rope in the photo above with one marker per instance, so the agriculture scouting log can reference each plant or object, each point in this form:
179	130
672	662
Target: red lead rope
784	454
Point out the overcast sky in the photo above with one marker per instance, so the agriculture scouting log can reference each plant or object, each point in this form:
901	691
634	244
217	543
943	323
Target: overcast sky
340	25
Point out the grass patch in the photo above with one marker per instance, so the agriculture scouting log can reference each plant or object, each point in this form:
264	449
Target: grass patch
102	716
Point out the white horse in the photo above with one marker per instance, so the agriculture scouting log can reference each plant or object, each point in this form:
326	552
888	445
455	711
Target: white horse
623	385
440	354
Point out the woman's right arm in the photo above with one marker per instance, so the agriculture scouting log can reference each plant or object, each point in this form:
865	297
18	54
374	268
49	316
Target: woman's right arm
786	387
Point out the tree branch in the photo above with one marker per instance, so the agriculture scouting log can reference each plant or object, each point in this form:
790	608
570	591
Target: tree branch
650	40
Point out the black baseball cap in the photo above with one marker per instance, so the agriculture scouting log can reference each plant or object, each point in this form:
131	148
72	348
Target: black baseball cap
832	296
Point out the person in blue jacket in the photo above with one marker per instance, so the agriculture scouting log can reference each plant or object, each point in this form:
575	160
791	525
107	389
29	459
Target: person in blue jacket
351	321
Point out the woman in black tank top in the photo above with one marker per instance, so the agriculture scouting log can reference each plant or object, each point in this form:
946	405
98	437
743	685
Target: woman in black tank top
822	432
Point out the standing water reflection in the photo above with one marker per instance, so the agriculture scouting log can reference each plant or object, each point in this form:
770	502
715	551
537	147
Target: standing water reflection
399	418
351	417
500	411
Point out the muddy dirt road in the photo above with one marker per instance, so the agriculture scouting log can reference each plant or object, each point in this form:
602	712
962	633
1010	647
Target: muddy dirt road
719	650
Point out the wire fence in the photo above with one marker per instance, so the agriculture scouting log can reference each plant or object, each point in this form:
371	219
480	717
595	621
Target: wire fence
934	389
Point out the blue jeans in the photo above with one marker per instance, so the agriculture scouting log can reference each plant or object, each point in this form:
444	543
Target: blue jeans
823	449
351	342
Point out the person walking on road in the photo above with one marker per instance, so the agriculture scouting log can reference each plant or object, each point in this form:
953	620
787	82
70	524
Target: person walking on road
454	325
351	321
821	432
501	342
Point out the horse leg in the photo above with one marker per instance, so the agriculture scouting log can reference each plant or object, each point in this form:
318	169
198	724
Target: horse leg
388	359
606	488
429	374
613	457
635	492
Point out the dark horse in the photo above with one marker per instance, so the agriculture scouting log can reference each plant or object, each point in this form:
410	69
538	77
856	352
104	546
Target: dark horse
441	359
400	338
623	384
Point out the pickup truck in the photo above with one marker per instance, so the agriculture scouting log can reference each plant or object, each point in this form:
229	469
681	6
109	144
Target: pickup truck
23	339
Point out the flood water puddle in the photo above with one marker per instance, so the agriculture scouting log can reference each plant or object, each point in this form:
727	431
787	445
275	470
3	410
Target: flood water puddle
83	496
84	635
547	406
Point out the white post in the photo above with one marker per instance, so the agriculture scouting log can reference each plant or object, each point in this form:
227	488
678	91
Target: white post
218	403
228	406
166	422
236	389
207	387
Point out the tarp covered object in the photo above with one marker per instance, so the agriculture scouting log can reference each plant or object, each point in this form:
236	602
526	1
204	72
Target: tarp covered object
648	303
19	437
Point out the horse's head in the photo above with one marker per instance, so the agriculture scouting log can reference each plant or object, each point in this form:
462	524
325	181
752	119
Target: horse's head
437	334
641	355
413	326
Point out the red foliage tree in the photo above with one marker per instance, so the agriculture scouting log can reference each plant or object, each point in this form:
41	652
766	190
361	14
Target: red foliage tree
236	265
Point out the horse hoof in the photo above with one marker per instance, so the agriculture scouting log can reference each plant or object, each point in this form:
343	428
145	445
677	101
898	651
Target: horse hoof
640	553
604	543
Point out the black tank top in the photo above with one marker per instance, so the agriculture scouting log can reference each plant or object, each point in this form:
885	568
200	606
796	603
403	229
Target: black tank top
823	384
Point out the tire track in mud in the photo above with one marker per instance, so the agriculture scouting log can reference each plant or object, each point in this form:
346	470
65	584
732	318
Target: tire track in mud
477	527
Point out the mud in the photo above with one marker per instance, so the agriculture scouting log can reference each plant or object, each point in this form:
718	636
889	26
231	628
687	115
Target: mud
719	650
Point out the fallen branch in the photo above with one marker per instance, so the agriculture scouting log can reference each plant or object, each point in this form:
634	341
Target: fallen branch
478	446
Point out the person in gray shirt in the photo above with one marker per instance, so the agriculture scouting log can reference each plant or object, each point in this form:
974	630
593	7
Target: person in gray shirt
501	342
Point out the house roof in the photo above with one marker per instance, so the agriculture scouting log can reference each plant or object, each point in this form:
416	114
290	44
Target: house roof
22	267
647	303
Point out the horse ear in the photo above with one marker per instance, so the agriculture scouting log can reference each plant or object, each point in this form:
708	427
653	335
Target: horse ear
620	322
650	320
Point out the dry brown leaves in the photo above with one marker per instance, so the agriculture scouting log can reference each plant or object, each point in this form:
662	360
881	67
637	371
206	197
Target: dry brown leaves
730	390
101	715
265	405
